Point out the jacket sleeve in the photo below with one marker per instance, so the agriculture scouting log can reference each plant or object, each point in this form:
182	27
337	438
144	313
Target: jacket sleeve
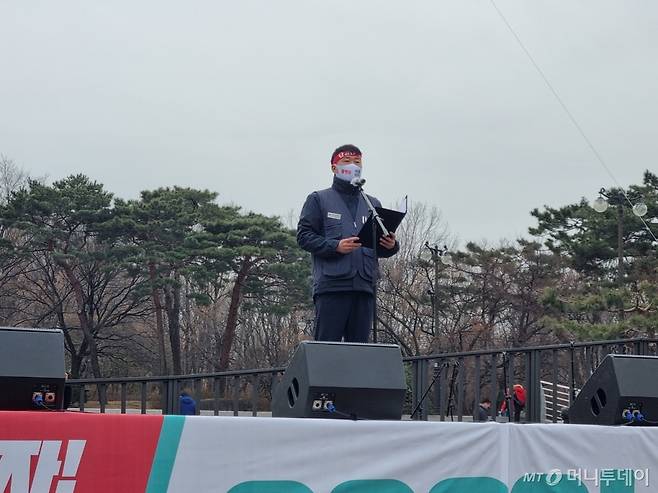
310	230
381	251
385	253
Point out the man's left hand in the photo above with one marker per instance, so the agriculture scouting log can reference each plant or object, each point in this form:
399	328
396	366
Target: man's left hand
388	242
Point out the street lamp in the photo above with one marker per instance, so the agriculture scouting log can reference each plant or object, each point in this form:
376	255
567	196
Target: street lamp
619	199
600	204
606	198
640	209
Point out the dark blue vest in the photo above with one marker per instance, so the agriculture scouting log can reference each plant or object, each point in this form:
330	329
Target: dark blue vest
338	224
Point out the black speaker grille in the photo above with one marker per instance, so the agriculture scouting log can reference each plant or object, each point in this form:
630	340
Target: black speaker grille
293	392
595	407
603	399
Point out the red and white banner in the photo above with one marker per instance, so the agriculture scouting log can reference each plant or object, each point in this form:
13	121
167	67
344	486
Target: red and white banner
75	452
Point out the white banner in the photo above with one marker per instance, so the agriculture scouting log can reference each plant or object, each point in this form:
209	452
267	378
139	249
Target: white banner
276	455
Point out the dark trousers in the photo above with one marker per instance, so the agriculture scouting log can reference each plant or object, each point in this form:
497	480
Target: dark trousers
343	316
517	412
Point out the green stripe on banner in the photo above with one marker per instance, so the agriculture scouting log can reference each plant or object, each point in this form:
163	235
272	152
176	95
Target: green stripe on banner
165	454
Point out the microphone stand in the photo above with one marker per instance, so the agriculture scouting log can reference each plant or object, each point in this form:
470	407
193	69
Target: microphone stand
419	406
376	220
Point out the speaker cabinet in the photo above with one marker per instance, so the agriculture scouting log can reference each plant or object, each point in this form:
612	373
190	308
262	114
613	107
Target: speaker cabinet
621	383
352	380
31	369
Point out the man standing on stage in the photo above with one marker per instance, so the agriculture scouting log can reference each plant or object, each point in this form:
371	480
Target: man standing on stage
343	270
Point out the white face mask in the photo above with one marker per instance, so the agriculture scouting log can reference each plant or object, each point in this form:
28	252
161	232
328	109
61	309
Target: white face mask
348	171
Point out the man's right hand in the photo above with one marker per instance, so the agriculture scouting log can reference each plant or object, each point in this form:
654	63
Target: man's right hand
348	245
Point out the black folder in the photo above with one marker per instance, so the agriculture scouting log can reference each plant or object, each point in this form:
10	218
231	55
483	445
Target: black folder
389	217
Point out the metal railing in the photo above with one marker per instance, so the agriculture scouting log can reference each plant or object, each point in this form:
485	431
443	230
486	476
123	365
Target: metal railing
224	390
463	379
556	401
453	383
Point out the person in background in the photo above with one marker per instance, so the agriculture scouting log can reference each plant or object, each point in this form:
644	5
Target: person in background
519	396
484	409
187	405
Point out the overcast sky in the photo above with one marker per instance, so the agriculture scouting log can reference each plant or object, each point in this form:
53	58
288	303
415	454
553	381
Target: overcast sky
249	98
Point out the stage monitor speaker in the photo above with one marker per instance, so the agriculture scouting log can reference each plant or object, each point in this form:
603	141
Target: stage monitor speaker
357	381
31	369
621	384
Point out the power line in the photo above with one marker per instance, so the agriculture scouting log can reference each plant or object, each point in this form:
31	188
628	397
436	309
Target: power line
598	156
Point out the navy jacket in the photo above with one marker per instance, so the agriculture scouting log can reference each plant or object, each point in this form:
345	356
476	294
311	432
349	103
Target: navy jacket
187	405
327	217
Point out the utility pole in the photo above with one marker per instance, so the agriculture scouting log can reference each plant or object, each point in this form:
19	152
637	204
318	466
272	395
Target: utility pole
438	255
620	244
620	200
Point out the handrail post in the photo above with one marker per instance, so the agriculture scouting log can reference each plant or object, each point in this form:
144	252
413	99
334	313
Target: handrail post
642	347
535	404
572	373
476	389
422	385
415	390
170	396
419	394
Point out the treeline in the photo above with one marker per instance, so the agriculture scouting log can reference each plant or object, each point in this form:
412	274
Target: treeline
174	282
169	283
584	275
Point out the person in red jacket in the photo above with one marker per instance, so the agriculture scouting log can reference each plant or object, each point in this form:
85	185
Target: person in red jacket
519	396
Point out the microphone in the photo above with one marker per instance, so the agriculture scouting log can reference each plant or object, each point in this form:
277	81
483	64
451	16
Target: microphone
358	182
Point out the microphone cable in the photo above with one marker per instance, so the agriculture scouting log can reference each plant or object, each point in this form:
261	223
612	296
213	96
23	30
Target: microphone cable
332	409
